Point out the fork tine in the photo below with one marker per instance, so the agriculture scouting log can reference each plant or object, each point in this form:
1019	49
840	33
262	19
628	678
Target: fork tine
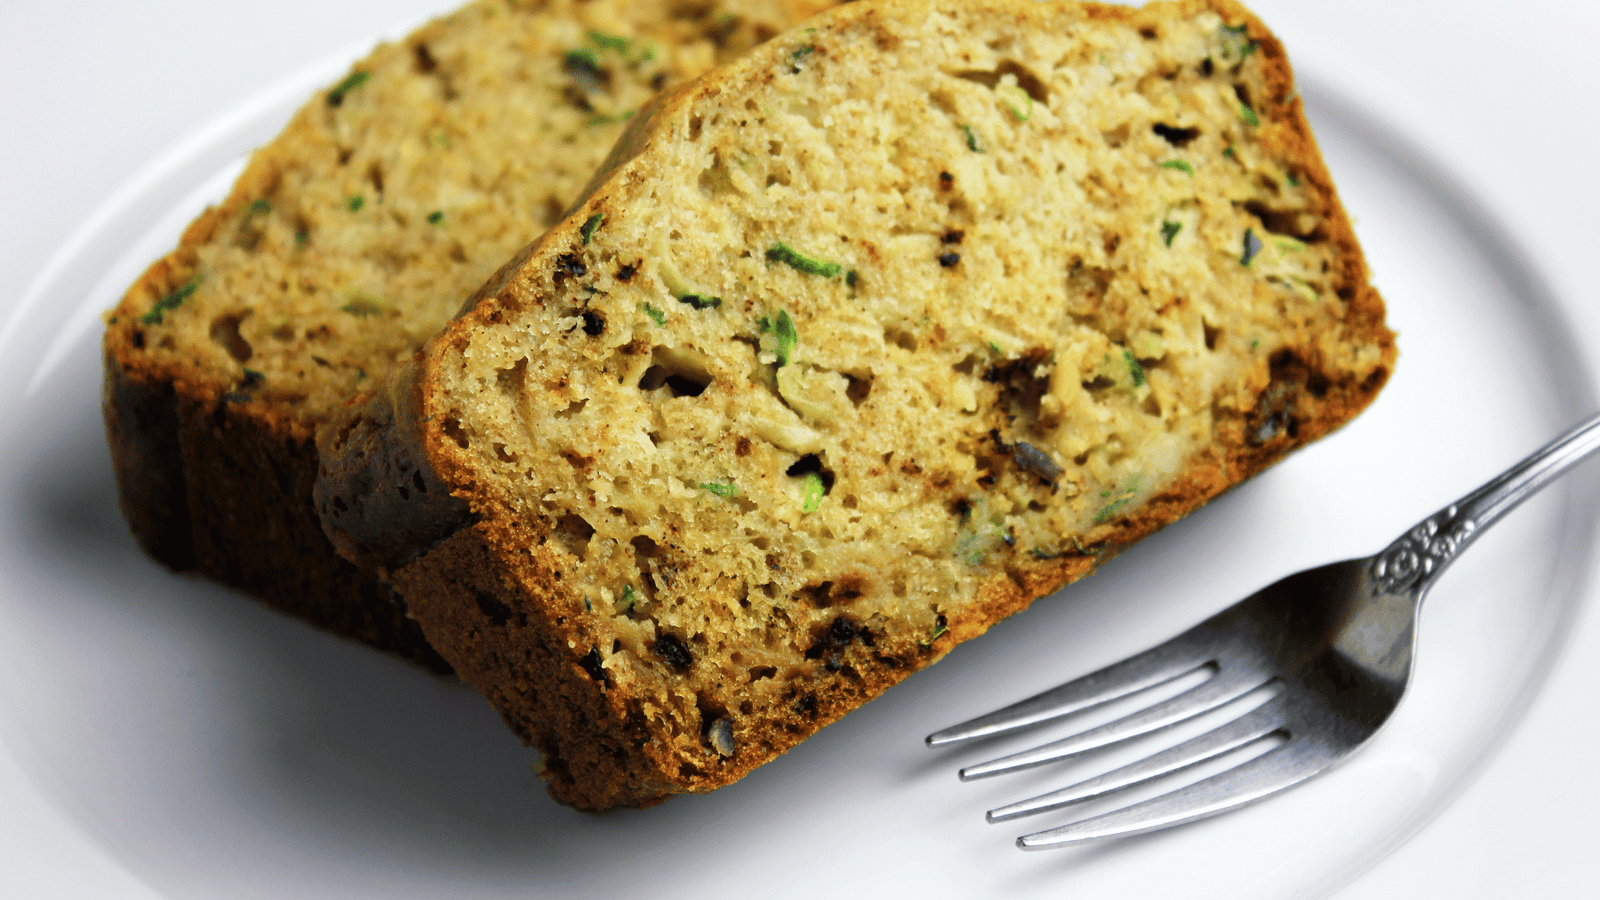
1222	688
1158	665
1281	767
1248	728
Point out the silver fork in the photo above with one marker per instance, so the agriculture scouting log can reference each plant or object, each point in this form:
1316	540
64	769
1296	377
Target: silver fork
1336	642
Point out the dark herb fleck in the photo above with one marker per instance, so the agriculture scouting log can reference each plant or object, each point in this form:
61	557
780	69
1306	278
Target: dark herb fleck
355	202
656	315
796	56
1135	371
953	236
851	278
594	324
1248	116
972	139
1181	165
251	379
260	207
720	488
169	302
700	301
626	273
350	83
1169	230
1252	247
582	62
436	217
946	260
794	259
590	226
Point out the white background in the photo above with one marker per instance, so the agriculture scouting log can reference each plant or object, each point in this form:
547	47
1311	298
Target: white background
1505	94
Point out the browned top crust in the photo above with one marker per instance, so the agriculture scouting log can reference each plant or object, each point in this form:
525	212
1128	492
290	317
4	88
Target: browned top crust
855	346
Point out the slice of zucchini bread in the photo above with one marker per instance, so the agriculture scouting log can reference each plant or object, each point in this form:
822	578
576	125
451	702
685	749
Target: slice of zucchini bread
347	241
857	345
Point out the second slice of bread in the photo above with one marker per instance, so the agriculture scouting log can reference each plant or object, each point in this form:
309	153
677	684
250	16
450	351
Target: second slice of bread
856	346
347	241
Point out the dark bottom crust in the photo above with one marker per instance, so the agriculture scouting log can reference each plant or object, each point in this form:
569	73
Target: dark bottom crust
212	489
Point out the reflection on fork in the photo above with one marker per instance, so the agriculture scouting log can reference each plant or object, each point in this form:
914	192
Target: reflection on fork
1333	645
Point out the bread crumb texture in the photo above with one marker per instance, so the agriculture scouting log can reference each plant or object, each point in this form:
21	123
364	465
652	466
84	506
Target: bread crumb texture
347	241
905	319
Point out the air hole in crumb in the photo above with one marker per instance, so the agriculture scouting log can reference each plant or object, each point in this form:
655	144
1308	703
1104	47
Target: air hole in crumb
225	332
1243	93
375	177
503	454
453	430
682	372
283	333
759	672
574	532
696	123
1149	33
510	380
1211	332
1029	82
1284	221
901	338
857	387
809	463
571	409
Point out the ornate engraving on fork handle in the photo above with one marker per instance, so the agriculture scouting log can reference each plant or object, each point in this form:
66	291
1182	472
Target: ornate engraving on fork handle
1422	551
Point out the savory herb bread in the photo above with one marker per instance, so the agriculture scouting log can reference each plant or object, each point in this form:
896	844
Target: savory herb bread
858	344
347	241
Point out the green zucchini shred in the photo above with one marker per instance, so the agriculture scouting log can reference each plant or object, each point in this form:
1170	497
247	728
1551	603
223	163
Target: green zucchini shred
794	259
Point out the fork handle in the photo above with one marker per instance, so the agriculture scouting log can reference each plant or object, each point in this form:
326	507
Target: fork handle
1416	559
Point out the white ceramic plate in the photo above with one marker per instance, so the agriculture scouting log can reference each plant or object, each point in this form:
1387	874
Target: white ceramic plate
214	749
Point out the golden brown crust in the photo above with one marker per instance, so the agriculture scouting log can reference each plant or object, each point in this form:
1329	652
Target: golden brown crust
497	597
